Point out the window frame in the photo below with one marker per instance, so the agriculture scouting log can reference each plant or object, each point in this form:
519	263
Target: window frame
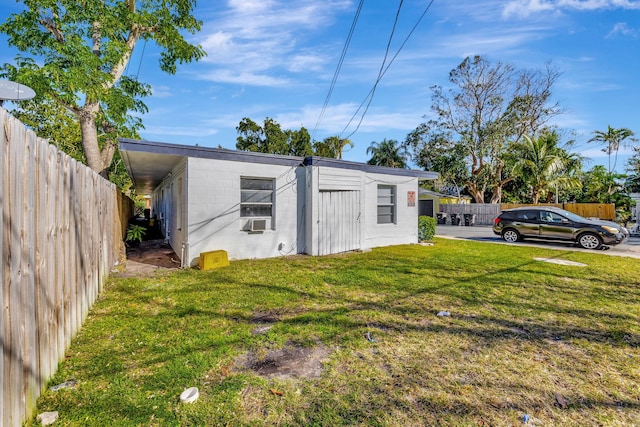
249	192
393	204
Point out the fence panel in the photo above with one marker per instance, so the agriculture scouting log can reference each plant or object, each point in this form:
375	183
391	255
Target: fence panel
61	234
588	210
484	212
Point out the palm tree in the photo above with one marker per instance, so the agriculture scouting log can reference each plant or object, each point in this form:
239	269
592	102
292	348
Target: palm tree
332	147
388	153
545	167
613	138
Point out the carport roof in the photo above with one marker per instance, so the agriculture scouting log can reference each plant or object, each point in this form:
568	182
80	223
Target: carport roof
149	162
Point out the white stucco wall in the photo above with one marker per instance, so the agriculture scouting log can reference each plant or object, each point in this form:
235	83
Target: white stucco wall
168	206
214	222
403	231
405	228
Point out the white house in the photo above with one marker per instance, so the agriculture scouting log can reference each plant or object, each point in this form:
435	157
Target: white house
256	205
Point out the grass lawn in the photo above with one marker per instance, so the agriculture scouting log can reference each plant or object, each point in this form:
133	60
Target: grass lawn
560	343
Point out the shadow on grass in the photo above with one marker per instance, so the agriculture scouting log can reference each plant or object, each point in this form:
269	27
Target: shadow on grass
191	324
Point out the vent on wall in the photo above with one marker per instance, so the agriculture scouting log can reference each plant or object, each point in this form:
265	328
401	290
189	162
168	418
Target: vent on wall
258	225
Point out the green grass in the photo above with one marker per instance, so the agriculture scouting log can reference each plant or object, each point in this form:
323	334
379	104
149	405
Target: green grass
520	331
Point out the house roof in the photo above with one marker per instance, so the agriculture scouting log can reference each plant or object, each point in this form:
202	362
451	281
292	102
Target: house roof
149	162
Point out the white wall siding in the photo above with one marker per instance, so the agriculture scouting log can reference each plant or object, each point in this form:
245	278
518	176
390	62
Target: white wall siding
214	220
324	238
339	179
339	222
169	203
405	228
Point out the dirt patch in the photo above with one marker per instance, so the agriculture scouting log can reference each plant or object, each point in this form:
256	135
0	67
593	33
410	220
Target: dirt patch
289	362
151	256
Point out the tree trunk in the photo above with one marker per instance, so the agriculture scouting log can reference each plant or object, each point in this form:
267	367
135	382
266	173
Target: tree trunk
476	193
89	131
496	196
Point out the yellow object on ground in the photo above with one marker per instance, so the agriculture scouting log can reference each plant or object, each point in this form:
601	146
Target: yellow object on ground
213	259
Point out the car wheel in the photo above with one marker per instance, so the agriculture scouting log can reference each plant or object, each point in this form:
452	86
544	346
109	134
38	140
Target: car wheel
589	241
510	235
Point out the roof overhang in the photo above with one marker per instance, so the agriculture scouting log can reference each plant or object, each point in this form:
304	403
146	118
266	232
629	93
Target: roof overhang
149	162
344	164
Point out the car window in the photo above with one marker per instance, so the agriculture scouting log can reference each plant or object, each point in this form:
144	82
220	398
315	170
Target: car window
547	216
526	215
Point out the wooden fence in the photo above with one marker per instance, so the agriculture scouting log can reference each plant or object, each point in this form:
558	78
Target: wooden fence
60	239
486	212
605	211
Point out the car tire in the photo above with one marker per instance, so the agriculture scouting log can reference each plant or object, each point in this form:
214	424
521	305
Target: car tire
510	235
589	241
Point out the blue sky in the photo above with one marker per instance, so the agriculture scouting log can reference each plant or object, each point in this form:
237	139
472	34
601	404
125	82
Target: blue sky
276	58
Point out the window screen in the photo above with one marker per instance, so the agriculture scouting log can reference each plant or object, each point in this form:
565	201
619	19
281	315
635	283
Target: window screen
256	197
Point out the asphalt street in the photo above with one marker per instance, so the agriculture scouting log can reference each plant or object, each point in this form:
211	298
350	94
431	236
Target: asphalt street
483	233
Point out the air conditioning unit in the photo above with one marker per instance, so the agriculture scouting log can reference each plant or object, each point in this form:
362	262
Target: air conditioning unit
258	225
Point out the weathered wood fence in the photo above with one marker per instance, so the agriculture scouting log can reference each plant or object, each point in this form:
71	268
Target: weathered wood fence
486	212
61	235
605	211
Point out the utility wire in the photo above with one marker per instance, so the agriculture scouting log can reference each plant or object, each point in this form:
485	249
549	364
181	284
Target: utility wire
380	73
141	57
372	91
338	68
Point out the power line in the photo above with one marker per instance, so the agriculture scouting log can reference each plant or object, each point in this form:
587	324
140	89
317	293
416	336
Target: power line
144	46
380	75
338	68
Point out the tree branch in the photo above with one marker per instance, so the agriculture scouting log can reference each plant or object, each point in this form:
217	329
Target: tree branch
52	28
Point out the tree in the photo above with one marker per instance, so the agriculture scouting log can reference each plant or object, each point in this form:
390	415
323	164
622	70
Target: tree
491	107
545	167
436	152
612	138
388	153
59	126
331	147
82	50
601	186
634	168
271	138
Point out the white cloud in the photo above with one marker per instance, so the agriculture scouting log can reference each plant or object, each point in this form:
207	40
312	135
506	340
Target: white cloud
621	28
171	130
243	78
336	117
161	91
525	8
257	40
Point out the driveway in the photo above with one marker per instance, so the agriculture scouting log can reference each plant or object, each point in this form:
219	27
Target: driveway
484	233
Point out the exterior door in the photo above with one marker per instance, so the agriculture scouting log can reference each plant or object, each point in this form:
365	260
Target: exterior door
554	226
425	207
339	222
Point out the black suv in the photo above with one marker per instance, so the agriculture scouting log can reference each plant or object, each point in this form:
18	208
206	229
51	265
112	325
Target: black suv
550	223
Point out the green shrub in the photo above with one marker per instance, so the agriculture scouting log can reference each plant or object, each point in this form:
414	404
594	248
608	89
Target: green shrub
426	228
135	233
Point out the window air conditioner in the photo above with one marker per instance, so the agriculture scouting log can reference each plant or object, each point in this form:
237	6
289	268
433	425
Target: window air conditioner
258	225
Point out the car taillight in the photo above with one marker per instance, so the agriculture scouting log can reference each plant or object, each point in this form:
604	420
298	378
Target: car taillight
496	221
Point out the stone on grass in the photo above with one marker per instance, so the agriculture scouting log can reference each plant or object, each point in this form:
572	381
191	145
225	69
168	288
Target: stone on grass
48	418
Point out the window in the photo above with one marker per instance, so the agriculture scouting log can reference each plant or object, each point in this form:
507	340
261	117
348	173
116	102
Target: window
386	204
256	197
527	215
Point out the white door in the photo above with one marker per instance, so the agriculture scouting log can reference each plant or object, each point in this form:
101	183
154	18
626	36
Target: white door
339	227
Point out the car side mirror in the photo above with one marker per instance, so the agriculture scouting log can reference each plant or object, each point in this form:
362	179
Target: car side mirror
565	221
